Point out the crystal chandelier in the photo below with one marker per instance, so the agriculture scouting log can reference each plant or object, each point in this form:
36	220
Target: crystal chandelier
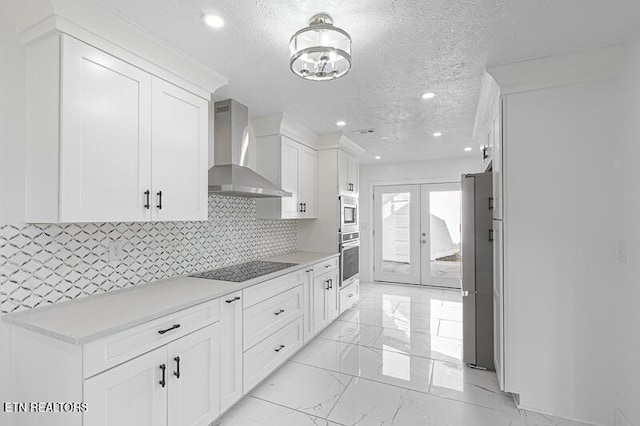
321	51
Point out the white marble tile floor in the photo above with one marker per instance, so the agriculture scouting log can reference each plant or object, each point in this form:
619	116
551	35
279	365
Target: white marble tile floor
393	359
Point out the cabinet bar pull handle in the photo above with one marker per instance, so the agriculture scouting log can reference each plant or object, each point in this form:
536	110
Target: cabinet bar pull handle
304	208
233	300
163	382
159	206
166	330
177	372
279	312
491	203
490	234
351	295
300	208
279	348
327	288
147	202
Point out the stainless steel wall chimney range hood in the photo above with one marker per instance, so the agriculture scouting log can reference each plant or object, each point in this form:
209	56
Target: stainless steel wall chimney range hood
230	174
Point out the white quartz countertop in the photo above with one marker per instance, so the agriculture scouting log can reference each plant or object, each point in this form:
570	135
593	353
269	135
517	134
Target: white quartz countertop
89	318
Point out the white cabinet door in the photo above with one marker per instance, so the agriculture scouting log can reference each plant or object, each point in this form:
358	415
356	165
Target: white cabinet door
333	296
290	182
307	291
230	350
348	174
353	174
179	154
131	394
498	301
497	165
343	173
105	156
193	378
308	179
320	309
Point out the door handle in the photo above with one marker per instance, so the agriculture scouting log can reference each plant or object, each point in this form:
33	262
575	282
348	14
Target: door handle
279	312
233	300
327	287
163	382
491	235
177	372
491	203
300	211
147	202
279	348
159	206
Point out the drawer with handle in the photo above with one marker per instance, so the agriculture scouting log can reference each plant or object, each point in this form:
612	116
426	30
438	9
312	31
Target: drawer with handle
259	292
262	359
349	295
261	320
324	267
117	348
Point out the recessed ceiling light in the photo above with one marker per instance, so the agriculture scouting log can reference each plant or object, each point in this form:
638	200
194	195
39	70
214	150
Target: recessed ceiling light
385	138
468	149
377	157
341	123
428	95
437	134
214	21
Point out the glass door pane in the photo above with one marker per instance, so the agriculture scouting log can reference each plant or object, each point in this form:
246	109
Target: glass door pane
442	263
397	225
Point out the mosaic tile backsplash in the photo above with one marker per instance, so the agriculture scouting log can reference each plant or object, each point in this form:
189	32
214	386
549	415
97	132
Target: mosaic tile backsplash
43	264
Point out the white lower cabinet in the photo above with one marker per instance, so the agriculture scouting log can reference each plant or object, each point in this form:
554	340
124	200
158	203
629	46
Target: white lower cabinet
193	378
230	349
326	302
130	394
266	356
349	295
185	368
174	385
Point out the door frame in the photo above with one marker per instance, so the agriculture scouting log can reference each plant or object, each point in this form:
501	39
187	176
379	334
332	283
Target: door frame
371	213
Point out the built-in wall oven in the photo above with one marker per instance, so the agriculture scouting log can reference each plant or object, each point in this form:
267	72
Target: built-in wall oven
349	258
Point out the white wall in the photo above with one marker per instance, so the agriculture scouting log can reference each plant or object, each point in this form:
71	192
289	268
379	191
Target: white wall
12	161
395	173
626	366
12	123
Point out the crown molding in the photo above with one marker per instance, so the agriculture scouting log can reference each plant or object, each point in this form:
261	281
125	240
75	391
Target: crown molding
554	71
340	141
282	124
96	24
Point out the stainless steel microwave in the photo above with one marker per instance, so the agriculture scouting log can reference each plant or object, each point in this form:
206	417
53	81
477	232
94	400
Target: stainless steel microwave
348	214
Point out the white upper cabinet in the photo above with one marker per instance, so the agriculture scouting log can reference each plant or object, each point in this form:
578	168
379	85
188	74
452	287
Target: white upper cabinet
105	137
293	166
290	158
179	153
113	143
308	178
348	174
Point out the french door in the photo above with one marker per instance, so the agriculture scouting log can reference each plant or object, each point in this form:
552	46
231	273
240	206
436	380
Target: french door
417	234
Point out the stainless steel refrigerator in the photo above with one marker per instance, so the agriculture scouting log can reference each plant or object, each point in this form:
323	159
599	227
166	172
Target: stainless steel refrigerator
477	270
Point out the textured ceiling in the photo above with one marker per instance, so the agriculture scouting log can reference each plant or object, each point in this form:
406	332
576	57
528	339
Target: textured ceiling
401	48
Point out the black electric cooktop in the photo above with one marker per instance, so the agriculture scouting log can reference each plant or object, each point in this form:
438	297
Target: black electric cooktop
244	271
